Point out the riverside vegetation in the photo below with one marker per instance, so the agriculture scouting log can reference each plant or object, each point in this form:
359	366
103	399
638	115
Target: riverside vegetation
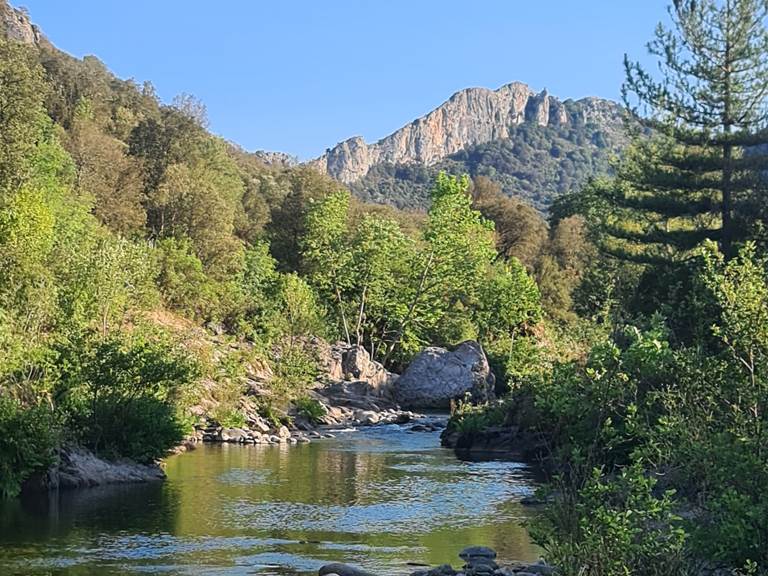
628	334
654	439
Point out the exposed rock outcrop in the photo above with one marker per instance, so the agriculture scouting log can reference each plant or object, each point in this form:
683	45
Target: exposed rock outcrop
275	158
436	376
339	569
354	364
80	468
16	25
470	117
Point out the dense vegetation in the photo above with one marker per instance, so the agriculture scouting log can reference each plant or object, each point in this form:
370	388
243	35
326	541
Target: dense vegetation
123	221
536	164
655	439
629	331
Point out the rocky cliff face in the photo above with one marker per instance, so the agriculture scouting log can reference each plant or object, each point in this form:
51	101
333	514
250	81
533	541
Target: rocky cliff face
470	117
16	25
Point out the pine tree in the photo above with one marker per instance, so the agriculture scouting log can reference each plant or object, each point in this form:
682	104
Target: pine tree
708	111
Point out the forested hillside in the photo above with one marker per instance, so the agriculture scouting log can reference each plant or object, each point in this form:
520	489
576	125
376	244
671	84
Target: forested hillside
126	227
535	164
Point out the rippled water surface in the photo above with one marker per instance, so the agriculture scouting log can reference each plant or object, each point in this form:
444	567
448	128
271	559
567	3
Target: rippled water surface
379	498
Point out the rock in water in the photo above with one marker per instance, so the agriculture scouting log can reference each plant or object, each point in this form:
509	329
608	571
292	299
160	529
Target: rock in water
342	570
80	468
476	552
436	376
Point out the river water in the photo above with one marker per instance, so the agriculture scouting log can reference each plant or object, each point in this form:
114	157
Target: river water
379	498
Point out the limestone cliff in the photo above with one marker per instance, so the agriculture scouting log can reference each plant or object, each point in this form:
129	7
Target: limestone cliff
470	117
16	25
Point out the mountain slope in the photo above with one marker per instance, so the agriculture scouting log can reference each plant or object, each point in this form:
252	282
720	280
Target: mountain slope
535	145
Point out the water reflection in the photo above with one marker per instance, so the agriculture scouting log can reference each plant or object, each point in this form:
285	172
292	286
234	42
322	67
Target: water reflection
378	498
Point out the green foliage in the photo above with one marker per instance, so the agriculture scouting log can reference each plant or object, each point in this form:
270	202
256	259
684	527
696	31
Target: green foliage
23	88
508	302
310	408
613	526
119	394
448	270
28	438
469	419
325	258
693	417
296	369
274	415
227	415
181	280
287	228
708	107
302	314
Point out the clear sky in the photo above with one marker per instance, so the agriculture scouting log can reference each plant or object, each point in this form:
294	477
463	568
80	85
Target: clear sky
299	76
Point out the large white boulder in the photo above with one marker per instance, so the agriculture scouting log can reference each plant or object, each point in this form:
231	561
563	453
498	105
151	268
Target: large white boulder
436	376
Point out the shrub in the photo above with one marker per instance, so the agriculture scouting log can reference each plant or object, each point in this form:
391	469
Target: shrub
28	437
295	370
613	526
469	419
181	278
120	395
310	409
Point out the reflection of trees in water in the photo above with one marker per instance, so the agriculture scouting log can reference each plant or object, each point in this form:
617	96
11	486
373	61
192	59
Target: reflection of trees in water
149	508
373	498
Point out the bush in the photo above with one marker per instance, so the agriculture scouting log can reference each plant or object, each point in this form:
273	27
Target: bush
181	278
310	409
613	526
120	395
469	419
295	371
28	438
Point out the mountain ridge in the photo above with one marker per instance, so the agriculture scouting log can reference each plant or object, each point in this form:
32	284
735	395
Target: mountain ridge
470	117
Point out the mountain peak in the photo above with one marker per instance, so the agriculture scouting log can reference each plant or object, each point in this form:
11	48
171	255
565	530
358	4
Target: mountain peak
469	117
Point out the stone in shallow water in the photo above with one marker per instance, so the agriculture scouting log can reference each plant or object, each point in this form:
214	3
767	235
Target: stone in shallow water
474	553
342	570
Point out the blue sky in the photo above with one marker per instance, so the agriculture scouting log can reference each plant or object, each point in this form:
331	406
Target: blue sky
299	76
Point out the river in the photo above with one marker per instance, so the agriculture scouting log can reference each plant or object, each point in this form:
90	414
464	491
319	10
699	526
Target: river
379	498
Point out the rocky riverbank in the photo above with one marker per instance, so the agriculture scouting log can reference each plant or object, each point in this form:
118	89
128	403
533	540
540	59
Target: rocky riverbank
77	467
259	431
478	561
509	441
353	391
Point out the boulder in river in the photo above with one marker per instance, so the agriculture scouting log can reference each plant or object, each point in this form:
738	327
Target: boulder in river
342	570
436	376
354	364
80	468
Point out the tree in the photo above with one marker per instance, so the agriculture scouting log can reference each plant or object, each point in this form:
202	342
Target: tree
458	248
22	89
521	232
509	302
380	265
106	173
709	111
325	256
288	218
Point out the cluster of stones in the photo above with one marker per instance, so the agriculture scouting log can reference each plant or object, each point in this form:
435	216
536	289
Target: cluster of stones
478	561
435	426
264	435
374	418
260	432
481	561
